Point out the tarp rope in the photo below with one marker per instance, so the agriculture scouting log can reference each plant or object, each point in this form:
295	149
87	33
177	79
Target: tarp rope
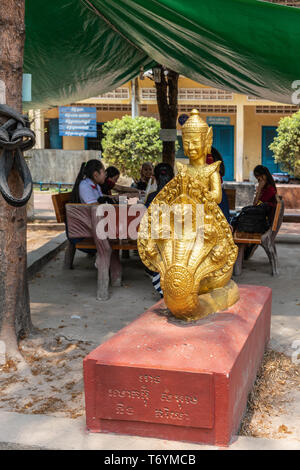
15	138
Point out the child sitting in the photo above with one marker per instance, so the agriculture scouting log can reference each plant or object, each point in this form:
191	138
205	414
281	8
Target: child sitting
112	176
146	174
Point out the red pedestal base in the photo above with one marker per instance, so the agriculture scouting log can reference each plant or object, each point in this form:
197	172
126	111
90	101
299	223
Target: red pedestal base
165	378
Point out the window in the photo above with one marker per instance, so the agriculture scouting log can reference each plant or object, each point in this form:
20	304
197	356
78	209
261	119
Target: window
117	94
148	93
207	108
94	143
191	94
276	109
114	107
204	94
254	98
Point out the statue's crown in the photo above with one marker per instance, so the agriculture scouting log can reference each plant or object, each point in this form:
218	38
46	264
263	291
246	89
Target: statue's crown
194	123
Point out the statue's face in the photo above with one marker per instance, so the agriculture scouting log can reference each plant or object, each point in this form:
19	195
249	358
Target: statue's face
194	145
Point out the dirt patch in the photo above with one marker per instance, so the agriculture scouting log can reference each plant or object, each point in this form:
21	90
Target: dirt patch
270	395
56	384
38	238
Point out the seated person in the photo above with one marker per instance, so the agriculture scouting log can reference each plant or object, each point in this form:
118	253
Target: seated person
163	173
266	190
215	156
112	175
211	158
87	187
87	190
146	175
265	193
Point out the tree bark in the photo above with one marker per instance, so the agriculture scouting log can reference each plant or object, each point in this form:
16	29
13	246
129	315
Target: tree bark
167	102
15	320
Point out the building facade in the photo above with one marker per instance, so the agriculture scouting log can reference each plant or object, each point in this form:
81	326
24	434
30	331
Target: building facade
243	126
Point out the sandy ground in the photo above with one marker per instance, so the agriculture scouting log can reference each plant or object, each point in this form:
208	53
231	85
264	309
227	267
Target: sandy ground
44	214
37	238
70	323
289	228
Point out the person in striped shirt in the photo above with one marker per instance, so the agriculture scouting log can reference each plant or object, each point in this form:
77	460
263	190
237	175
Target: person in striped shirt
163	173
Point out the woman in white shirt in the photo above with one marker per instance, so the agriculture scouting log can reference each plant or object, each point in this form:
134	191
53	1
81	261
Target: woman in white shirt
87	188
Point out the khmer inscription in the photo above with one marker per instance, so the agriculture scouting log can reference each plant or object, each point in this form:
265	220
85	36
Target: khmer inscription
137	394
166	413
149	379
142	394
179	399
122	409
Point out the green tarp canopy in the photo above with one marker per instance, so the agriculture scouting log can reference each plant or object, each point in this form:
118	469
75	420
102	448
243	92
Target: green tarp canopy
77	49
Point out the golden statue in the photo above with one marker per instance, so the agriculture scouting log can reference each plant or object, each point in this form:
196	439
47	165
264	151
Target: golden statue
185	236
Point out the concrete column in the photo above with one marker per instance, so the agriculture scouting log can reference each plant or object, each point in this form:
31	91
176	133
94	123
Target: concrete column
2	92
239	142
30	203
39	129
134	98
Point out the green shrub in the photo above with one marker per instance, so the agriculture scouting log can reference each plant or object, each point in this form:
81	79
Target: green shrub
129	142
286	145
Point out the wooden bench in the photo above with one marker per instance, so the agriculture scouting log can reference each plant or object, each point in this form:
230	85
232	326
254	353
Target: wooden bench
59	202
231	195
266	240
292	217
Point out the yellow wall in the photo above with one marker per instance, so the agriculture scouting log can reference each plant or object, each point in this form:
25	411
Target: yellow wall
51	113
73	143
104	116
253	136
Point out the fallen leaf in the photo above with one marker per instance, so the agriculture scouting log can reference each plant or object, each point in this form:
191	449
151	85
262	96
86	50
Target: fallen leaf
284	429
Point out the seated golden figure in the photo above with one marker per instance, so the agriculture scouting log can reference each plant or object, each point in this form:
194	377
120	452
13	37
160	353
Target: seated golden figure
185	236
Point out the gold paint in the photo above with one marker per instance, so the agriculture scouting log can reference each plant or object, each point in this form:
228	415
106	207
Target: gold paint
195	264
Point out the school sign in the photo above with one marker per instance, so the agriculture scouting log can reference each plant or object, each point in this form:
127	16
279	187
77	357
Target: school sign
77	121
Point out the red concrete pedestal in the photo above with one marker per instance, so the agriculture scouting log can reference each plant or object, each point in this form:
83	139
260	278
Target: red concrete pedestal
165	378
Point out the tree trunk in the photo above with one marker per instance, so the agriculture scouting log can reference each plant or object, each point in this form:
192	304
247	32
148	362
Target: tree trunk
167	101
15	321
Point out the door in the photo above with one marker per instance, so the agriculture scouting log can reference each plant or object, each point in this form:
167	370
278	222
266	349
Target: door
223	141
180	151
268	134
54	137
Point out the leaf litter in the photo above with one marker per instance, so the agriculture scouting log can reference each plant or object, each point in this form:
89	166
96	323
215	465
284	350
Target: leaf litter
276	378
56	385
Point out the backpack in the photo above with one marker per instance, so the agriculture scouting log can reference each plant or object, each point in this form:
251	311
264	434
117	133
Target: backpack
253	219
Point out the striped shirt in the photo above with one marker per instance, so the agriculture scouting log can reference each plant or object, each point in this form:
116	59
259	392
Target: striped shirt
156	283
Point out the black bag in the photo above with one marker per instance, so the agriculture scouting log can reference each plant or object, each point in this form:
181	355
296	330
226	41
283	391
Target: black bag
253	219
105	200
